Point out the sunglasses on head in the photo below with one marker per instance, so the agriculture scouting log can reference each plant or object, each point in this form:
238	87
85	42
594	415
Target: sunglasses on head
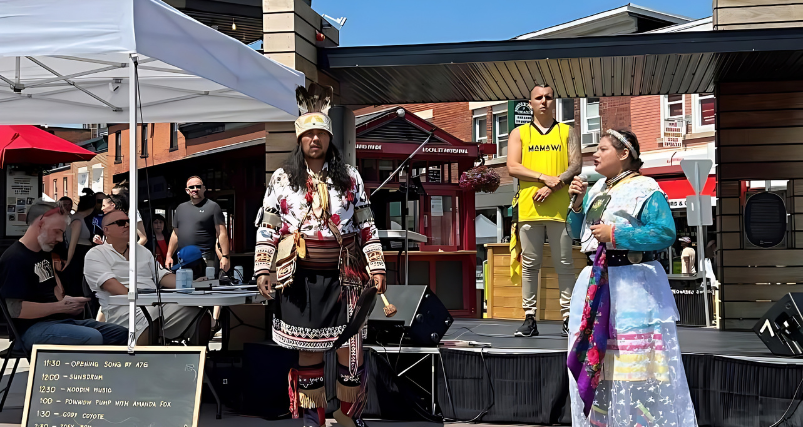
120	223
194	187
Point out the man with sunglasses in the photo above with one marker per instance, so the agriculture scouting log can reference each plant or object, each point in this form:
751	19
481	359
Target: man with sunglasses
199	222
34	296
106	273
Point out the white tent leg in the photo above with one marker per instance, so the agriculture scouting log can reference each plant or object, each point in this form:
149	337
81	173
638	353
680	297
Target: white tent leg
132	209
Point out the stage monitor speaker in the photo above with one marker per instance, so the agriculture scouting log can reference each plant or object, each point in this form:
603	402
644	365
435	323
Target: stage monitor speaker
765	220
781	326
421	318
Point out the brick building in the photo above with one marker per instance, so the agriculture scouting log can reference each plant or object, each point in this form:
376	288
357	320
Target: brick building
646	116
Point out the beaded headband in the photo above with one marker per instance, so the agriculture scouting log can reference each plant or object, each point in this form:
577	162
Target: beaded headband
624	141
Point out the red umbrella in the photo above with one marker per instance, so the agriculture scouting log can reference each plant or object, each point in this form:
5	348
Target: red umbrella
29	144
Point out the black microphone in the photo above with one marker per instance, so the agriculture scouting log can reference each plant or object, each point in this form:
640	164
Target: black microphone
583	178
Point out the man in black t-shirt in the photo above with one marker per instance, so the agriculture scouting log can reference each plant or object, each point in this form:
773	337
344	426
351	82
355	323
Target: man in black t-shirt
199	222
33	295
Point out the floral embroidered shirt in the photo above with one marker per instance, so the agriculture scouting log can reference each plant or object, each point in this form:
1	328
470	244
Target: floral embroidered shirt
299	211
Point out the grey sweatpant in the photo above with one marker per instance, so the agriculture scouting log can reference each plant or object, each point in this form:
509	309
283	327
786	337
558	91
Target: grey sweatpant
532	235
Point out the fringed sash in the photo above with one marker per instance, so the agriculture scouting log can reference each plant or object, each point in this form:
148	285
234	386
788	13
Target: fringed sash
588	352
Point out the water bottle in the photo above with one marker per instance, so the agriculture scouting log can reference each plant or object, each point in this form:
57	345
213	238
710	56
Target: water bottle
184	280
239	275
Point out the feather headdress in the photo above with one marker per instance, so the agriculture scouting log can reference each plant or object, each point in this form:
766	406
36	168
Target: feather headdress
313	105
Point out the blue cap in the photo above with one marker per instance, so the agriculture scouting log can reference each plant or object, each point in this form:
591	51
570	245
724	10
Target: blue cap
187	256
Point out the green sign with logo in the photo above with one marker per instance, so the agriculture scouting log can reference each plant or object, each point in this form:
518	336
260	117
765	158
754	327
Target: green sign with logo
518	113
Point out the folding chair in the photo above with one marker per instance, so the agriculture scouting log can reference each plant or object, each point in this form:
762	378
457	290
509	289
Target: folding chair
12	352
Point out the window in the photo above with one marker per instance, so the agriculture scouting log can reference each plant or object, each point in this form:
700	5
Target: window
673	107
55	189
704	111
118	147
480	129
590	120
97	178
173	136
500	134
66	192
565	111
144	140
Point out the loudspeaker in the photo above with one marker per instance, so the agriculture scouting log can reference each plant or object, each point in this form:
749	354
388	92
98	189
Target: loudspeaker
421	318
780	327
765	220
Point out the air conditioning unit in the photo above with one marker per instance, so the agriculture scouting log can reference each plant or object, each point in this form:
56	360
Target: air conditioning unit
590	139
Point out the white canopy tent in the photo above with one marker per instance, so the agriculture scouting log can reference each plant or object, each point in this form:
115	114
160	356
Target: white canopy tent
75	61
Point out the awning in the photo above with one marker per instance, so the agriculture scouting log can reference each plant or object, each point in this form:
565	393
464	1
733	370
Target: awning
625	65
29	144
677	189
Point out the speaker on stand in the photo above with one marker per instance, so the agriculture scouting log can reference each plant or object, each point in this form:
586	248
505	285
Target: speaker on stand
421	319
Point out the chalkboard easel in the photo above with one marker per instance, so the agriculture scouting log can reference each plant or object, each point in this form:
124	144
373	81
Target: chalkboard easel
92	386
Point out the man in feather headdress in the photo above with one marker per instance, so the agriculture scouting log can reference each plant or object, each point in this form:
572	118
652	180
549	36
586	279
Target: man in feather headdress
317	220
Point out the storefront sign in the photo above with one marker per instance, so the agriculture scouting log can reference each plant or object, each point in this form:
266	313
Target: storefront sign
440	150
375	147
673	133
677	203
521	112
21	189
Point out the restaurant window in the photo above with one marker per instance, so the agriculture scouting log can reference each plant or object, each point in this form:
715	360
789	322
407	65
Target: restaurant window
66	193
480	129
173	136
704	112
591	121
565	111
500	134
395	214
443	221
118	147
368	170
144	140
386	168
672	107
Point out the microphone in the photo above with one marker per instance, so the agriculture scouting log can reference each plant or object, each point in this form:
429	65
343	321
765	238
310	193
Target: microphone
583	178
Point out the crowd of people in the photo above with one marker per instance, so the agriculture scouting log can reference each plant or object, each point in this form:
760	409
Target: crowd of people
57	280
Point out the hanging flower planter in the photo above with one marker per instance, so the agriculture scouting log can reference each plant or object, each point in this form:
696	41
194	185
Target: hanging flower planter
480	179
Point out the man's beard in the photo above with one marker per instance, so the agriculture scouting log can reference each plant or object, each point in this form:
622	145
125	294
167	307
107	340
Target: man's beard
43	243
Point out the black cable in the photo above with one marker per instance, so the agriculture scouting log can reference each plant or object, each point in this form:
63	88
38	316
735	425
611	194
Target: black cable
485	411
784	418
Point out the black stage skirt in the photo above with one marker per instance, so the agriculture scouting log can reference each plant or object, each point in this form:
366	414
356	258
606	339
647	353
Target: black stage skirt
312	312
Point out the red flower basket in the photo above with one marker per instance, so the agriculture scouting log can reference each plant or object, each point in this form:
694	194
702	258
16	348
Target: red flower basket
480	179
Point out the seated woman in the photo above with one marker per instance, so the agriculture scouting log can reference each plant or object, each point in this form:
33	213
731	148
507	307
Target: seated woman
624	355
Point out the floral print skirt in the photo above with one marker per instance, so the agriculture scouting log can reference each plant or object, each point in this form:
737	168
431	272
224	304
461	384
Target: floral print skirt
643	382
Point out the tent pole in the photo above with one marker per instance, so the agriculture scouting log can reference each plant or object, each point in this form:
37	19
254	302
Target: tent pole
132	209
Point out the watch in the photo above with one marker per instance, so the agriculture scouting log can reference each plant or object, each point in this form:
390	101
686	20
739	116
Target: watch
225	256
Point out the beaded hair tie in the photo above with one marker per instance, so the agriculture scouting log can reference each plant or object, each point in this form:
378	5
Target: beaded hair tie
624	141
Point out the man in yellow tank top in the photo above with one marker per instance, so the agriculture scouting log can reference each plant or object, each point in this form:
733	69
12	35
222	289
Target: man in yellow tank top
545	156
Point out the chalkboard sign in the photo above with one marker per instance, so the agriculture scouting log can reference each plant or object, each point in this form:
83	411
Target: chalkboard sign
92	386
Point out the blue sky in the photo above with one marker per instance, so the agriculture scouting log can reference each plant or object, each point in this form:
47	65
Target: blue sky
382	22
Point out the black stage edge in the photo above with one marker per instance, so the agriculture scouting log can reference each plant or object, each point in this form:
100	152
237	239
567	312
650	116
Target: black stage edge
733	378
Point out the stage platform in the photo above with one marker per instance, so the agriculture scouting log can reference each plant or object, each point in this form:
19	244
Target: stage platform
499	334
734	380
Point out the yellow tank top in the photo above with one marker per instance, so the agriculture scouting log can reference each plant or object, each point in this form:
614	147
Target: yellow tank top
547	154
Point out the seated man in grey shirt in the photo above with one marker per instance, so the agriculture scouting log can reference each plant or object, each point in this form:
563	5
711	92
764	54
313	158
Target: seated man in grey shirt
106	272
